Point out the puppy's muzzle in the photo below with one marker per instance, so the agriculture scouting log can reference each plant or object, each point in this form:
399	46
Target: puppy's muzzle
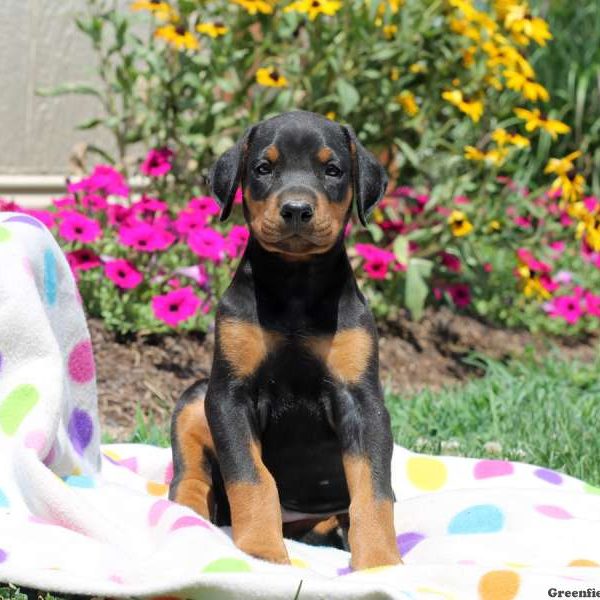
297	208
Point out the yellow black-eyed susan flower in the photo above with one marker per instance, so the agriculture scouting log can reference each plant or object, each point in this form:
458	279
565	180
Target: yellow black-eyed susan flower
161	10
214	30
534	119
407	101
506	138
270	77
530	89
314	8
264	7
561	166
177	36
459	223
525	27
472	108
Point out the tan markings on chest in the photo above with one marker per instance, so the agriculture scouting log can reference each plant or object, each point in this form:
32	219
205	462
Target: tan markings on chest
346	354
246	345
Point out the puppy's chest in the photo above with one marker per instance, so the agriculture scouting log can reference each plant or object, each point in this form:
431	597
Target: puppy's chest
272	357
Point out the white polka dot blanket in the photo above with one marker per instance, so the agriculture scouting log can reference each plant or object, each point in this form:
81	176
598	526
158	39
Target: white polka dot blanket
76	517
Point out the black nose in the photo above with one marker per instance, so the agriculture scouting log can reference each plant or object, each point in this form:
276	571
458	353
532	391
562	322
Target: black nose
296	213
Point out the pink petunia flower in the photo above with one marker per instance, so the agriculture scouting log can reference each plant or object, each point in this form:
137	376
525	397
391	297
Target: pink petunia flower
394	225
188	221
371	252
123	274
591	203
592	304
64	202
148	207
451	262
157	162
83	259
94	202
588	254
118	214
176	306
145	237
207	243
376	268
239	196
76	227
461	200
104	180
566	307
487	267
205	205
460	294
236	240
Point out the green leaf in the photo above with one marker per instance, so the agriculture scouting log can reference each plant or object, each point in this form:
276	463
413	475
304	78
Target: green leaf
69	88
416	290
400	249
89	124
348	95
375	231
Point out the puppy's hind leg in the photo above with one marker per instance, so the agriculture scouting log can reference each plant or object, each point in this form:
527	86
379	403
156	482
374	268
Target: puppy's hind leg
193	453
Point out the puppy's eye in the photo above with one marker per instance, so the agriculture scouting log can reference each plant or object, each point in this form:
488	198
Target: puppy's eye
332	171
264	168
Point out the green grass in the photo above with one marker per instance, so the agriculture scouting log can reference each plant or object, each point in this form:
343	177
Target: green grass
545	412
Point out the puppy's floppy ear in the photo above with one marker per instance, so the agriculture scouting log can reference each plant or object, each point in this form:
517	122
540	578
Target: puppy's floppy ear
225	175
369	177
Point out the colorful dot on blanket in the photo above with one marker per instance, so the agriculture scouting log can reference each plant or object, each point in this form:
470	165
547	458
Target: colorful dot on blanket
1	361
3	500
130	463
227	565
299	563
499	585
584	562
5	234
157	510
36	440
481	518
407	541
16	406
154	488
169	473
485	469
549	476
80	430
591	489
80	481
189	521
426	473
3	555
81	362
554	512
50	277
26	219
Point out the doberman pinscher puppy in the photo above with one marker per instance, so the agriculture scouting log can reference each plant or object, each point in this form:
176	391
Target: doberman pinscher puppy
292	420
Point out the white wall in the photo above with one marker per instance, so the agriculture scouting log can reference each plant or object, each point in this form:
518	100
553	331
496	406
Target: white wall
40	46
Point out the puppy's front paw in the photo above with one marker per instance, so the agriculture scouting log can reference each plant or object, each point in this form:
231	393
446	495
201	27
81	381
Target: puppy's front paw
272	550
369	558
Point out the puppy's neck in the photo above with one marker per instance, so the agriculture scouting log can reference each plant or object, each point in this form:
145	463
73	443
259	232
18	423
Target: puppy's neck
316	273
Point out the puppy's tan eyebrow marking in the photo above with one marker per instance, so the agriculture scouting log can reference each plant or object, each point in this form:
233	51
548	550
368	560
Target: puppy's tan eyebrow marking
272	153
324	154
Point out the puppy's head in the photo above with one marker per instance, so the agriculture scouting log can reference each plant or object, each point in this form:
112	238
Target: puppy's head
299	173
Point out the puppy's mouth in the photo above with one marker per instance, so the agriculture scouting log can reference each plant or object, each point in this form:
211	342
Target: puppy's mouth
305	240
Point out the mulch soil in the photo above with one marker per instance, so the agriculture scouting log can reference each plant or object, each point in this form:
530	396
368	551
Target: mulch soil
150	372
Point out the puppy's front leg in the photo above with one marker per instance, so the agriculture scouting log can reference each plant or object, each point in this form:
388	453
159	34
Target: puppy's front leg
365	435
251	490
